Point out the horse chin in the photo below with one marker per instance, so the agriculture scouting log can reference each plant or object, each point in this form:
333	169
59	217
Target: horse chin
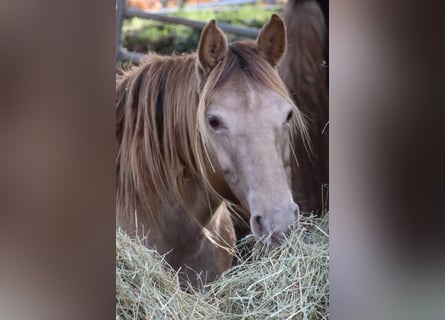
277	238
271	241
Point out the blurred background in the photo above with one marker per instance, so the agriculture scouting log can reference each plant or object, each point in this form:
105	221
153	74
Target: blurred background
174	26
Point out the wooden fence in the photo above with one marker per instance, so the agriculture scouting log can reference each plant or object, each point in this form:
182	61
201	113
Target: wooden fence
124	12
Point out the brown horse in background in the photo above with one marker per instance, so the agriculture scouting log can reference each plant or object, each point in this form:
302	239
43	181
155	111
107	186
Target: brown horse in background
197	130
306	77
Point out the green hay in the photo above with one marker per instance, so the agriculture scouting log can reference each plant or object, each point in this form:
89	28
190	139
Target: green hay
288	283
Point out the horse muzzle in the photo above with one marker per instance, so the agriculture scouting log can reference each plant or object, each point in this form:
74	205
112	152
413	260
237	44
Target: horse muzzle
272	226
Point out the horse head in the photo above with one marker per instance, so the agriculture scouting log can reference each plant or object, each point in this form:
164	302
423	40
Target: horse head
246	119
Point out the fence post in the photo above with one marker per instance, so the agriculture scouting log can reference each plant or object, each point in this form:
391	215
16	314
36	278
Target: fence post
120	11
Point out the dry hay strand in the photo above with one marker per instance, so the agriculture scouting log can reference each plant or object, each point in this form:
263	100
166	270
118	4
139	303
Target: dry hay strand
148	288
290	282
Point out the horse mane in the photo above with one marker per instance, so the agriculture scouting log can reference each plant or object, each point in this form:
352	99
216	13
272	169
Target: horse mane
155	109
161	131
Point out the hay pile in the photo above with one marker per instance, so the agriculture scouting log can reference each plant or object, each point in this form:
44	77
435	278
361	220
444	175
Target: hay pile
289	283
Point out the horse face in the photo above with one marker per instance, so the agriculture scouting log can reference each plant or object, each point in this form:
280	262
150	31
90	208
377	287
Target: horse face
248	126
249	131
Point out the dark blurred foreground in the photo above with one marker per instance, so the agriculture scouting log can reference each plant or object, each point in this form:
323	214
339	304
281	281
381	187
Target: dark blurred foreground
57	160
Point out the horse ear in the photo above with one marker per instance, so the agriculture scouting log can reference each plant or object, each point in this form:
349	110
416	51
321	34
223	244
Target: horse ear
271	41
212	47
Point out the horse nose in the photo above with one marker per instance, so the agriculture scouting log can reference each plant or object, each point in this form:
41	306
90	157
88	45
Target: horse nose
275	223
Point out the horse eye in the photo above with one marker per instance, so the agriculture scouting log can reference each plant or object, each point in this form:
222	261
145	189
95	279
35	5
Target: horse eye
289	116
214	122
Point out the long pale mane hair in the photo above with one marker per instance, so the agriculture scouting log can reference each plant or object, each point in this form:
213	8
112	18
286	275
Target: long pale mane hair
161	130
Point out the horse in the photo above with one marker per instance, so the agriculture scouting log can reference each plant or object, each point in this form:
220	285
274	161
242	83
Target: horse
306	76
199	132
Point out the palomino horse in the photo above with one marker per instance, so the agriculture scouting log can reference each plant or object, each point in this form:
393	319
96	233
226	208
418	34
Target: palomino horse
196	129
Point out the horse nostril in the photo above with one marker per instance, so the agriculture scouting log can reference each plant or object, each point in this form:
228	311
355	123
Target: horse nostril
257	226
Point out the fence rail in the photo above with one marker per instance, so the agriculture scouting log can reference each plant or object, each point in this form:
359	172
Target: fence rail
242	31
123	12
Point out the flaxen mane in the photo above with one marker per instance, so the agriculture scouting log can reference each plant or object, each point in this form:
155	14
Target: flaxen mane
161	132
